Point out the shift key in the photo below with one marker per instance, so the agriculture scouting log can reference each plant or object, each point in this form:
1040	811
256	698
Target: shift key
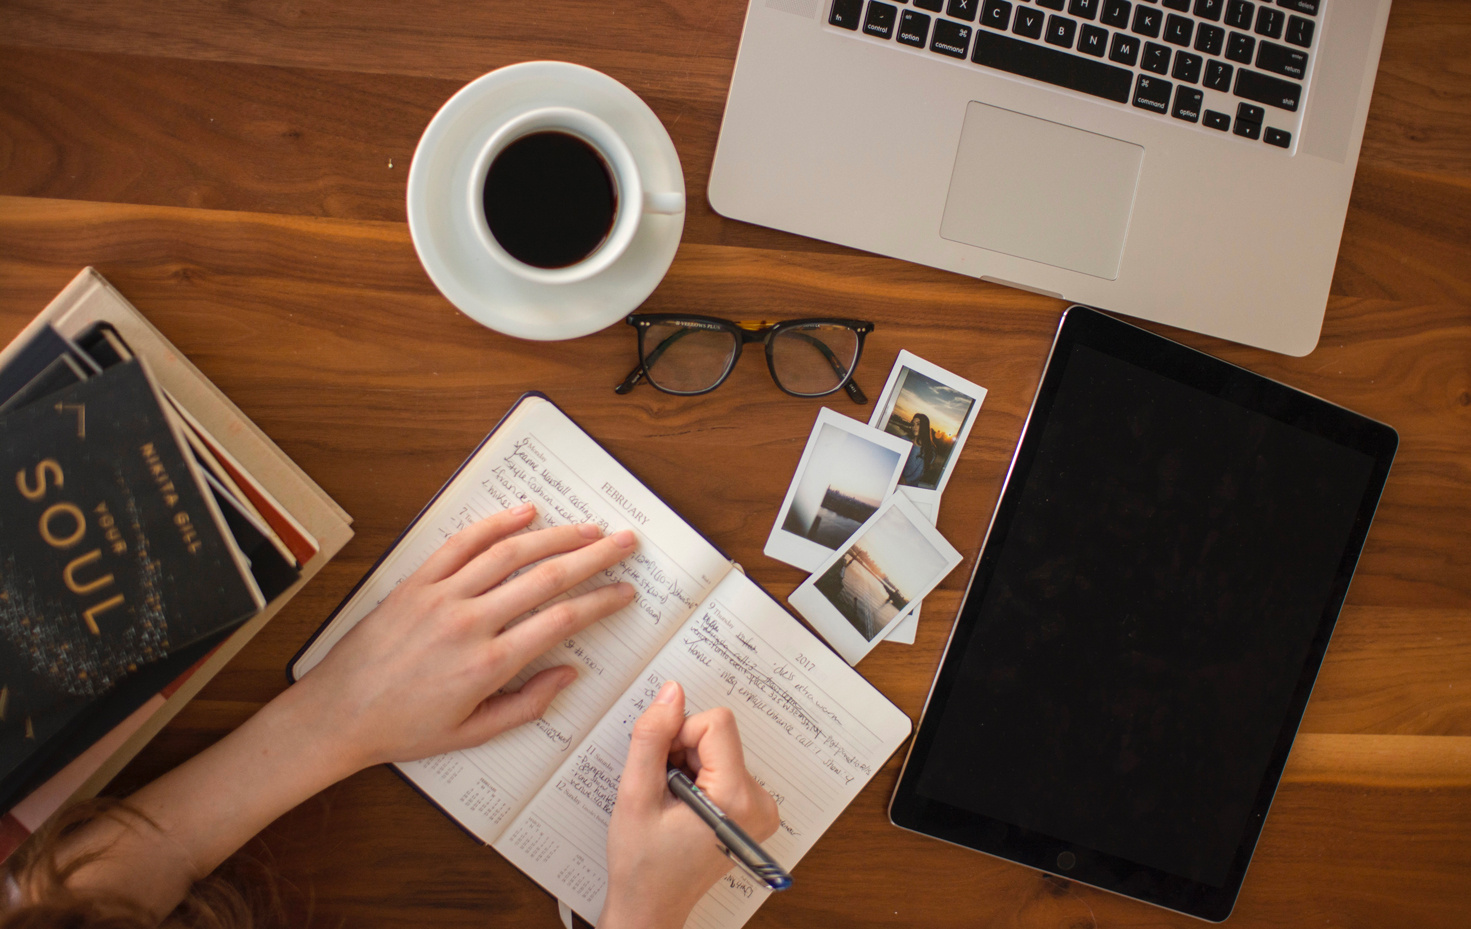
1263	88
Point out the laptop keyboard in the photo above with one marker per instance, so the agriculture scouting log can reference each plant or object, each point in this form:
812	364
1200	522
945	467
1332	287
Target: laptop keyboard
1234	66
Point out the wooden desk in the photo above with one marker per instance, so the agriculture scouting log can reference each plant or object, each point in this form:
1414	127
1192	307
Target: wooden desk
238	171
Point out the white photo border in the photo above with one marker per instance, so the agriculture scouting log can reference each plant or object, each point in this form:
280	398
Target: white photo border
832	625
804	553
885	407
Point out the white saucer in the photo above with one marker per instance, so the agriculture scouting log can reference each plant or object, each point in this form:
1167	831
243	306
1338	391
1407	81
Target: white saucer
442	225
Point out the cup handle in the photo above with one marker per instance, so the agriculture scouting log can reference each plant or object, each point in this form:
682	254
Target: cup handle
663	202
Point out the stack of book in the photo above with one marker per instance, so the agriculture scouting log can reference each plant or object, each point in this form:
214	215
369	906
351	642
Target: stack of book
148	530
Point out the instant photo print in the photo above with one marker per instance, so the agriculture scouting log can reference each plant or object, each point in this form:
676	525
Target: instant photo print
847	471
864	589
932	410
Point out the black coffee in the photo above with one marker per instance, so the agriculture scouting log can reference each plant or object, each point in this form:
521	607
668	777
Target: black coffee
549	199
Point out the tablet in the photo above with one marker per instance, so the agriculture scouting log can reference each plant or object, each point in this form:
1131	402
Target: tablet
1152	602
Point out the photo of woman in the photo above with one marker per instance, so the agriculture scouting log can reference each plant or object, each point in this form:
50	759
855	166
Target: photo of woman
922	454
931	415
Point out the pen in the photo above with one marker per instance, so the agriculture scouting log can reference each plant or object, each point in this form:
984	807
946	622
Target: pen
740	847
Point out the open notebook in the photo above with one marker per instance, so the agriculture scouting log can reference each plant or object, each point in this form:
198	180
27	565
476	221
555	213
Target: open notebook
814	731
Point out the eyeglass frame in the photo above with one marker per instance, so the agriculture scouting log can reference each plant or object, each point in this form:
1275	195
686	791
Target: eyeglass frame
746	332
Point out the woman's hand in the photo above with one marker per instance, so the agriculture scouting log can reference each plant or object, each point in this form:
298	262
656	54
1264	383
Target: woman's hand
418	676
661	856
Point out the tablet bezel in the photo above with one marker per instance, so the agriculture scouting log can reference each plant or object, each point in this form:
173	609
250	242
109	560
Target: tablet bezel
1084	326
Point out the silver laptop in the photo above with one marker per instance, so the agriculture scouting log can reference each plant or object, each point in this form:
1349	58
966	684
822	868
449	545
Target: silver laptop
1185	161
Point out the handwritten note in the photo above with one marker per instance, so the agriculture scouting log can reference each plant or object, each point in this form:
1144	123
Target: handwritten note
813	732
540	456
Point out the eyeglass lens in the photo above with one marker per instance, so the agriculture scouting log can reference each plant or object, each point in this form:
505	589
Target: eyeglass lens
813	358
684	357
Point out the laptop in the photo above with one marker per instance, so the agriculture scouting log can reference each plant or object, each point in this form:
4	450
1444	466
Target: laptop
1183	161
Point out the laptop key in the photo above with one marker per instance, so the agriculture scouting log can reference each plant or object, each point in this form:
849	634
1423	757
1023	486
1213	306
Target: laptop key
1028	22
1179	29
1151	93
1052	4
1299	31
1156	58
1240	47
1246	113
1218	75
1087	9
914	28
996	14
1187	104
1269	22
1092	40
1239	13
1246	129
1208	9
1263	88
1061	69
934	6
1216	120
1309	7
845	13
1060	31
1187	67
1116	13
1278	137
961	9
951	38
1146	21
1279	59
1124	49
1210	39
1182	5
879	22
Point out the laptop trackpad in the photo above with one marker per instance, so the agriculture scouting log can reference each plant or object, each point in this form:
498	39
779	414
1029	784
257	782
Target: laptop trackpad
1041	190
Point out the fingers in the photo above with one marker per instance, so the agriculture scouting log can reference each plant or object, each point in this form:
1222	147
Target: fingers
712	746
509	555
526	640
554	577
711	740
471	541
496	714
643	785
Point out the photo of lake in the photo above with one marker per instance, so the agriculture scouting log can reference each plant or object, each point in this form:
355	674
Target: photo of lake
881	573
845	480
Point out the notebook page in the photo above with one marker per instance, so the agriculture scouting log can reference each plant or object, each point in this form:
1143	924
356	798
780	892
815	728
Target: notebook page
540	455
813	730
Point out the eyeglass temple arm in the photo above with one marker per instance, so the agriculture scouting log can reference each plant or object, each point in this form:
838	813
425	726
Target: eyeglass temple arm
851	388
637	374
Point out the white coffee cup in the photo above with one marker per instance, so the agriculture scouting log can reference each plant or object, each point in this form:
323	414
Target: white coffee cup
632	200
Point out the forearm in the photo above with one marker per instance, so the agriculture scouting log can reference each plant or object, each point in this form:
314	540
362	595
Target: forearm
208	807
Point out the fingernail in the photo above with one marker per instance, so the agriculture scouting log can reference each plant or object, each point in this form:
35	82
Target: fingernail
625	590
523	509
589	531
667	692
624	538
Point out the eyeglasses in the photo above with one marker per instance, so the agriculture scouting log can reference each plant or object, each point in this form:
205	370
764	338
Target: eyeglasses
689	355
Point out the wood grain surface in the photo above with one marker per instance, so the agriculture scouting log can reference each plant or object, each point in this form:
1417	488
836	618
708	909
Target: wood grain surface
238	170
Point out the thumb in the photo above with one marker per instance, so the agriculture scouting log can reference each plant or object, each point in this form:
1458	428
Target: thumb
643	784
501	712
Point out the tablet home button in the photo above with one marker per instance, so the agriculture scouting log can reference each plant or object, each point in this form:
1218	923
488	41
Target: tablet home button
1066	860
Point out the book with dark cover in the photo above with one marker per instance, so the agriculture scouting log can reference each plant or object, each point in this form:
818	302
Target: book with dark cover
39	352
112	554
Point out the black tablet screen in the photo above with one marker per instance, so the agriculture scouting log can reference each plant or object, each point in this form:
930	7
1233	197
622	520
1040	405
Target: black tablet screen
1139	641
